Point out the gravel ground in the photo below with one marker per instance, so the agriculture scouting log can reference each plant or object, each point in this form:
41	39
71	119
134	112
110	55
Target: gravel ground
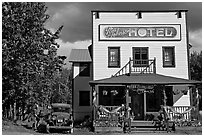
9	128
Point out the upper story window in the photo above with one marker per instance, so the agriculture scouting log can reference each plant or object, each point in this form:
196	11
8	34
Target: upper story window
140	56
84	69
168	57
114	57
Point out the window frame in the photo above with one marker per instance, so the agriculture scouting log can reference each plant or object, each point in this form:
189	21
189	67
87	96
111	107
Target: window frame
118	65
173	57
81	103
133	54
81	72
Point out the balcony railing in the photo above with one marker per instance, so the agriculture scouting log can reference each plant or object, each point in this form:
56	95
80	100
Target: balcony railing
138	67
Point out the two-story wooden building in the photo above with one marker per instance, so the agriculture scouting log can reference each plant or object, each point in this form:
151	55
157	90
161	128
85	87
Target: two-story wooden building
138	60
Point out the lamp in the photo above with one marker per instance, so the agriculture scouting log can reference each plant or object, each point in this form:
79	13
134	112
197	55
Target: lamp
179	14
96	15
139	15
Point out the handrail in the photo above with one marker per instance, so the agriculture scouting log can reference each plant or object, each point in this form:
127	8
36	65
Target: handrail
148	67
122	68
137	66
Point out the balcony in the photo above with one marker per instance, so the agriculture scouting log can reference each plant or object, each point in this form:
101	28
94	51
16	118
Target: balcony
138	67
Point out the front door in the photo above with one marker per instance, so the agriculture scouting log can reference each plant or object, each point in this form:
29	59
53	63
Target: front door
137	105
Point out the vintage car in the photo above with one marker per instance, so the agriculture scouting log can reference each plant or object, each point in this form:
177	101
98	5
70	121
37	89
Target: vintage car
60	118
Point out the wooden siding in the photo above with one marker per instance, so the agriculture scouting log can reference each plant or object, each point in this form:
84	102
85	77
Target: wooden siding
81	84
100	48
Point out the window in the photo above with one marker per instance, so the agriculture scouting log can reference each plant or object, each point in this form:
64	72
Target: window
140	56
154	100
114	57
168	57
111	96
84	98
84	69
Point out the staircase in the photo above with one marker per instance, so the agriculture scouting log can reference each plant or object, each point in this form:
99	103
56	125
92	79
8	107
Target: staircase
138	67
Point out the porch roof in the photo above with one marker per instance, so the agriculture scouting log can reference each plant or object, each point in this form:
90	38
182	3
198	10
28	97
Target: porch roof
156	79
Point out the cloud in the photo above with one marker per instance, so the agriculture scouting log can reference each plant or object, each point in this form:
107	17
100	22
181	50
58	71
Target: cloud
77	23
76	16
195	39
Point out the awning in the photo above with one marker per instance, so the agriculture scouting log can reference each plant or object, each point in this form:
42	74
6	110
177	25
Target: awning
145	79
80	55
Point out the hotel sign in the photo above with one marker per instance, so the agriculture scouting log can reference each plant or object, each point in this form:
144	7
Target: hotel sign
139	32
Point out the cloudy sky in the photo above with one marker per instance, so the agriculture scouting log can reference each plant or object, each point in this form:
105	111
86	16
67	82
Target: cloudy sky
76	18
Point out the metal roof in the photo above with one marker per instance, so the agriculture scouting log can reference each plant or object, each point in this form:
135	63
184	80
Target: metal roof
80	55
145	79
173	10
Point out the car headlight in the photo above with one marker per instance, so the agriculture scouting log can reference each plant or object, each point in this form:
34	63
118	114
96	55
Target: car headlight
60	120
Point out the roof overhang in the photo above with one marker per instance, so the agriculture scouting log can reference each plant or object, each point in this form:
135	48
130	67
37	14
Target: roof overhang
145	79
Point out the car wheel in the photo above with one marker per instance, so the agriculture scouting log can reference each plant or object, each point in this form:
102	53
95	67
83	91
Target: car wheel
71	130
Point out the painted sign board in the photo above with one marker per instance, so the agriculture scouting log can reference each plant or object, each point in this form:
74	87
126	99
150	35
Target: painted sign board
155	32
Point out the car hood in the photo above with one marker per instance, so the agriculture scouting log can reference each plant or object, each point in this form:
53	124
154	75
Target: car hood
61	114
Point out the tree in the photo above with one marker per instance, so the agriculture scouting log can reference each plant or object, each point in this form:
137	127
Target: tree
63	87
27	73
196	65
196	72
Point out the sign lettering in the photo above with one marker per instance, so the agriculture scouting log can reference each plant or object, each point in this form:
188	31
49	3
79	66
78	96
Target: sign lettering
139	32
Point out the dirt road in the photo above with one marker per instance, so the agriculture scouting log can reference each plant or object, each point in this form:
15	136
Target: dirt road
9	128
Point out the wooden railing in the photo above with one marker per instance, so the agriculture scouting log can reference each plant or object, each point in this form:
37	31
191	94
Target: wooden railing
138	66
179	113
108	116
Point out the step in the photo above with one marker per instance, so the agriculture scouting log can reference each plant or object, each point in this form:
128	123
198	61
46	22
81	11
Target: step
142	124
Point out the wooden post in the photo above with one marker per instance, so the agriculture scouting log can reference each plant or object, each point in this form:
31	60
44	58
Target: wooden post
130	66
197	103
145	105
165	113
154	66
127	102
164	96
94	102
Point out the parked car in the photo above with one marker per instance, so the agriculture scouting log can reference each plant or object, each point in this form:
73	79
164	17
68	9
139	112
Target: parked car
60	118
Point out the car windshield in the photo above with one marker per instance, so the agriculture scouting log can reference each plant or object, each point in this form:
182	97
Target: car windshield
61	109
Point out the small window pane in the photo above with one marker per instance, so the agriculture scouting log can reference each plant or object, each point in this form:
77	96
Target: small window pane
84	98
84	69
168	56
113	57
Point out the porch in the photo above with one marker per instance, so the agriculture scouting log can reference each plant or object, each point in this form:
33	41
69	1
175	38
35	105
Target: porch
123	102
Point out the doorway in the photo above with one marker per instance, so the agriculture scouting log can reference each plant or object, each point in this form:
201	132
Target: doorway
137	105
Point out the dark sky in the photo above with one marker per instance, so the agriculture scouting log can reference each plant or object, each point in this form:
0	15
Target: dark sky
76	17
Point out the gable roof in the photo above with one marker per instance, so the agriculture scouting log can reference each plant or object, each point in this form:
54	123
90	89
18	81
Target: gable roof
144	79
80	55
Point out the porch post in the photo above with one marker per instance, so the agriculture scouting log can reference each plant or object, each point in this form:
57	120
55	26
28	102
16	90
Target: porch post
164	95
127	100
145	105
197	103
94	101
165	113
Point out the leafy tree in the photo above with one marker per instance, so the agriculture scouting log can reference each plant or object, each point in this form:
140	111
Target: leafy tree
196	72
63	87
27	73
196	65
